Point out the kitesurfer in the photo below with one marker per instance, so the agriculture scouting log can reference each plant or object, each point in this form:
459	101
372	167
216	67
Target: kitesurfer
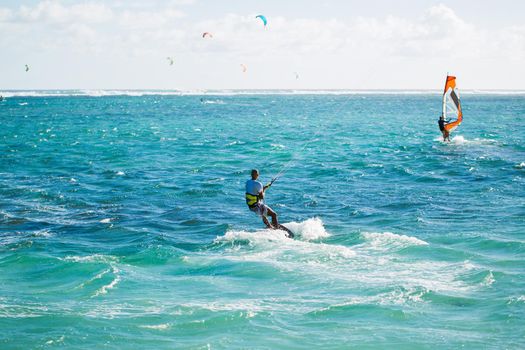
442	121
254	200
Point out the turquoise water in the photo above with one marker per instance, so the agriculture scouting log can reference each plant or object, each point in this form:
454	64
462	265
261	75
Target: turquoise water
123	223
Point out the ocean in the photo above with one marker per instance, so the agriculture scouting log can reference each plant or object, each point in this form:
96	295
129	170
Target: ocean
123	223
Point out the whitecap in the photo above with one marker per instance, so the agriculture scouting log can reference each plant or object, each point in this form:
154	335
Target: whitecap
489	279
308	230
96	277
272	245
95	258
390	240
213	102
42	233
253	237
233	143
111	285
461	140
162	326
513	300
59	340
395	297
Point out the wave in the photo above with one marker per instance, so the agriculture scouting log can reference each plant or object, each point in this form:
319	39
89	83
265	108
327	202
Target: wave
112	271
160	327
398	296
308	230
104	289
377	261
227	92
461	140
213	102
95	258
91	93
390	240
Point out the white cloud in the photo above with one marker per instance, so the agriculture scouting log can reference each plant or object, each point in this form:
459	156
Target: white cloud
5	14
120	30
53	11
439	31
149	19
511	43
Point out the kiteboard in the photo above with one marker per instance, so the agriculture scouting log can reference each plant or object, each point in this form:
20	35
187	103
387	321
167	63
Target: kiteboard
289	233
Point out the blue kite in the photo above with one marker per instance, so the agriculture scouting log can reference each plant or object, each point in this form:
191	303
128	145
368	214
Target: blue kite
263	18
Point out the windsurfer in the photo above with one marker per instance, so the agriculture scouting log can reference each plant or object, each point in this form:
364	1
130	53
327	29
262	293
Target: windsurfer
442	121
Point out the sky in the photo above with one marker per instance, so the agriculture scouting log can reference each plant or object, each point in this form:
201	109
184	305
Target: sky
330	44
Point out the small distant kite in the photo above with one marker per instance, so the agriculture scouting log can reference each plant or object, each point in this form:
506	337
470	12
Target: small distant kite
244	68
263	19
207	34
296	75
27	68
171	60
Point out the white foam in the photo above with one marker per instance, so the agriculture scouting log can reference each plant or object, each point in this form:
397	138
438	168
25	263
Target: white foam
489	279
390	240
138	93
395	297
42	233
520	165
59	340
162	326
105	221
95	258
111	285
308	230
248	306
468	265
513	300
253	237
458	140
120	173
373	263
461	140
233	143
97	277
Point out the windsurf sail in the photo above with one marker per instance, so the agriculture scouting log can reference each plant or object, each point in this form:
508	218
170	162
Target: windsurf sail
451	104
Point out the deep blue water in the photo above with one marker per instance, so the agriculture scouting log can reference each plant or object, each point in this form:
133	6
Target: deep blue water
123	222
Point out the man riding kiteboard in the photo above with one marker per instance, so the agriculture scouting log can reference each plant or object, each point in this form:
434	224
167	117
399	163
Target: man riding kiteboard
255	201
